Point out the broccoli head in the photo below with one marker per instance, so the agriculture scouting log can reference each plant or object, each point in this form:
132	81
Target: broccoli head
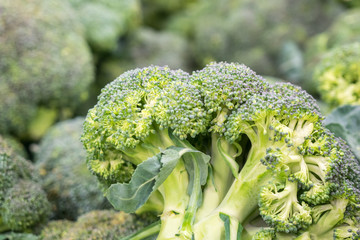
61	162
23	203
338	75
220	154
46	65
99	224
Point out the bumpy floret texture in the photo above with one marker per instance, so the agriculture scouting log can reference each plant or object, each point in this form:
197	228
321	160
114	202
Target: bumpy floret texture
271	158
338	75
23	203
61	162
45	61
104	224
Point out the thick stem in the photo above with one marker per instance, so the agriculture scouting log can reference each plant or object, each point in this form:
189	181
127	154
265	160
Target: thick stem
242	197
219	184
174	191
195	197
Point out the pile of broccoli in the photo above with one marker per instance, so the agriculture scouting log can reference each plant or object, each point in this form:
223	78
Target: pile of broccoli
222	154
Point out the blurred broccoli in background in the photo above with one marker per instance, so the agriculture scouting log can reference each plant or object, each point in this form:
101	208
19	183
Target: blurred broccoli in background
147	46
23	203
156	13
350	3
60	159
344	30
338	75
45	65
100	224
106	21
251	32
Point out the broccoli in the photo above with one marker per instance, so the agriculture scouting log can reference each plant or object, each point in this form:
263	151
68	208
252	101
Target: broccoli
45	68
344	30
99	224
23	203
106	21
338	75
252	32
60	160
220	154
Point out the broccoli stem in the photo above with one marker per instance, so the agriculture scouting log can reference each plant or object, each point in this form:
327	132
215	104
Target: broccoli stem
219	184
329	219
148	231
195	197
242	198
176	199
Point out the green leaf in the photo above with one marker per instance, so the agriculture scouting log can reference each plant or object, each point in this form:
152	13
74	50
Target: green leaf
226	219
239	231
130	196
344	122
148	176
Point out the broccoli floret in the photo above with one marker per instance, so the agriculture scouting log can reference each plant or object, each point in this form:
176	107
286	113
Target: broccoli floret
46	65
106	21
211	151
99	224
338	75
61	162
23	203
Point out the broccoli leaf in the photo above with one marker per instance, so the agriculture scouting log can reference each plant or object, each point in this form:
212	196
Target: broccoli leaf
148	176
344	122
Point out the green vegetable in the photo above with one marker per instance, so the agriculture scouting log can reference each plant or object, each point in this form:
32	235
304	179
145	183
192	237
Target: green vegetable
61	162
338	75
99	224
23	203
105	21
221	154
45	67
344	122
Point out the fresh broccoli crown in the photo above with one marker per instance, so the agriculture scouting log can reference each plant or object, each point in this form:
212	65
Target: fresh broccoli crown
24	206
132	112
270	161
45	61
61	161
281	209
338	75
